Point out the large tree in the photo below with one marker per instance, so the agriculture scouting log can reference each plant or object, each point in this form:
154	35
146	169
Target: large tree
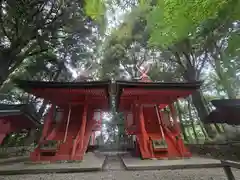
34	28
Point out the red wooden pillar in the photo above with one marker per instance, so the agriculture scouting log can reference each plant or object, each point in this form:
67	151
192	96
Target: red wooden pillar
143	138
80	135
2	136
88	132
5	128
83	126
137	130
53	133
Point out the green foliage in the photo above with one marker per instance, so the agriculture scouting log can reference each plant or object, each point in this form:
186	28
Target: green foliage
172	20
124	43
233	48
94	8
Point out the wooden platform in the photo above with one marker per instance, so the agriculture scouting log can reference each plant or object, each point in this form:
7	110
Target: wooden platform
132	163
91	162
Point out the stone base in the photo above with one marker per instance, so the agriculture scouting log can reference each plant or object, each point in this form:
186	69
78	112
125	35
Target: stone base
13	160
132	163
90	163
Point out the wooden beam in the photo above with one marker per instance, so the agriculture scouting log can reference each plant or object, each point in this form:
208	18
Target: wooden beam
227	165
229	173
233	164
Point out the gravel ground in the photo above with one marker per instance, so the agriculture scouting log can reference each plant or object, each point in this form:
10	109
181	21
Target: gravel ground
193	174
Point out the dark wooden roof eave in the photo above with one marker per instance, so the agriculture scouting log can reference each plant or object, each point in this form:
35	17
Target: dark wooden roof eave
154	86
160	85
19	109
224	103
28	85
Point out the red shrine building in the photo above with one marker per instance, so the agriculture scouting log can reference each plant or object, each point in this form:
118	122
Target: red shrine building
157	132
72	120
14	118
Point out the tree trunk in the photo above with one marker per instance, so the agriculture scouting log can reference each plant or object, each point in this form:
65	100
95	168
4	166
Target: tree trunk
3	71
181	122
202	112
9	62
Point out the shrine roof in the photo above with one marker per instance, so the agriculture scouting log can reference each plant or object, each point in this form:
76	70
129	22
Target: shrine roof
19	109
160	85
69	92
153	92
227	111
218	103
28	85
228	116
